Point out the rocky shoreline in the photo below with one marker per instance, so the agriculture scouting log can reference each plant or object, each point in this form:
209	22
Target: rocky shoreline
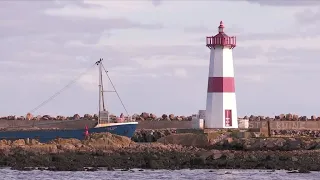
144	116
136	117
175	151
151	135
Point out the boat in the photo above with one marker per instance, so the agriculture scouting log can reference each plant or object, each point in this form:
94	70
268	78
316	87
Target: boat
122	127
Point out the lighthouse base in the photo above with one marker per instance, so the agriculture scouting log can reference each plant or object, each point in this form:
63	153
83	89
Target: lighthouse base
221	111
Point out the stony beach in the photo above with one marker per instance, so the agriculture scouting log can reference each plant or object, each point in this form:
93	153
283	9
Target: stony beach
176	151
154	148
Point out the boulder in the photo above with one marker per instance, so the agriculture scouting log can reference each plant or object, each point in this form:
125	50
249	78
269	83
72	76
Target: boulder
76	117
102	140
47	117
61	118
145	115
289	117
164	116
171	117
19	142
189	139
87	116
153	116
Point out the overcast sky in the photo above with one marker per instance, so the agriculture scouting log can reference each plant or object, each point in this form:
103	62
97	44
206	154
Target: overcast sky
156	54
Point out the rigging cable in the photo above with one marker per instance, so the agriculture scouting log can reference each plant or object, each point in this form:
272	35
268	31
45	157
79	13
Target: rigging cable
61	90
115	89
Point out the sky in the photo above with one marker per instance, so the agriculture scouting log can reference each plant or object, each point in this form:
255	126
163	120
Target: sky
156	56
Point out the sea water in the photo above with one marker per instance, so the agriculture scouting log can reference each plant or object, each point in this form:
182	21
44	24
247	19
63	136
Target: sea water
135	174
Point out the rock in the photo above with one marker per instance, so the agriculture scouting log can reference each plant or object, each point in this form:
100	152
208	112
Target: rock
252	118
303	170
135	116
184	118
76	117
145	115
188	139
37	118
303	118
33	142
61	118
65	141
151	135
289	116
66	147
103	140
164	116
19	142
11	117
294	159
21	118
87	116
217	155
171	117
44	148
179	118
153	116
46	117
120	153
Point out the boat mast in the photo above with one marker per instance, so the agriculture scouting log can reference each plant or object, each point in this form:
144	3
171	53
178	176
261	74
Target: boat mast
99	63
101	93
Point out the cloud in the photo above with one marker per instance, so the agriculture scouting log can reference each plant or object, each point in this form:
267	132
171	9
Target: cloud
309	16
156	2
51	16
284	2
102	9
153	55
252	78
45	39
296	55
211	31
180	72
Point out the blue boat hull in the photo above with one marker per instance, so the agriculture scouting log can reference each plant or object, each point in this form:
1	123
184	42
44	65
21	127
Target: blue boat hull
43	136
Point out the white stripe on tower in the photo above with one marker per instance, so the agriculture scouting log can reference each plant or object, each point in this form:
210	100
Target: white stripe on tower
221	109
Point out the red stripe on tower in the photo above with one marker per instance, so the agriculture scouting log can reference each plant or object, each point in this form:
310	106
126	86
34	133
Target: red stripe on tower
221	84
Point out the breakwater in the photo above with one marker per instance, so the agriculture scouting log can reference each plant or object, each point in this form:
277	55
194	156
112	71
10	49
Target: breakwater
152	117
152	135
151	121
274	125
138	117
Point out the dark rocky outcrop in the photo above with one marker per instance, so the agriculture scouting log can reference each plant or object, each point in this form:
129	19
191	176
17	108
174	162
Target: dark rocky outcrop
150	135
195	151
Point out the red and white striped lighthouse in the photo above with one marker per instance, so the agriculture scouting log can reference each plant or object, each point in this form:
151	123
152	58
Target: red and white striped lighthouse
221	109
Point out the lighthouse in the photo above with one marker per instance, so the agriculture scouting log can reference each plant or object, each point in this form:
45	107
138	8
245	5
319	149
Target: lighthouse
221	108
